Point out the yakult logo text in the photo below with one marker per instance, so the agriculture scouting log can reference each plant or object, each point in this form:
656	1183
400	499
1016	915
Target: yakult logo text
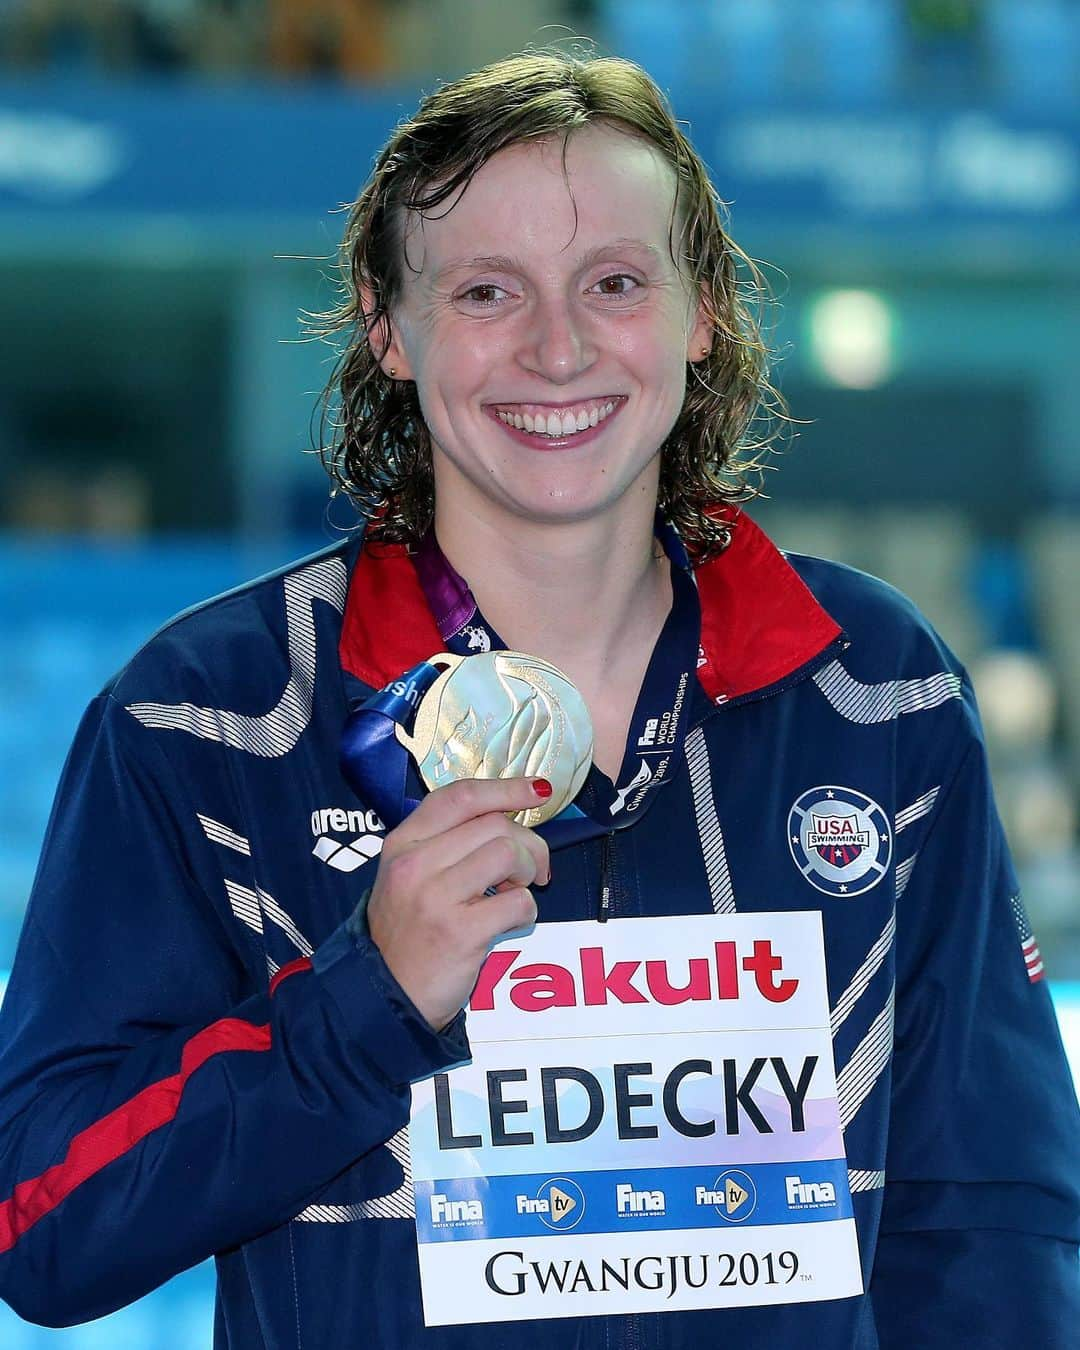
539	985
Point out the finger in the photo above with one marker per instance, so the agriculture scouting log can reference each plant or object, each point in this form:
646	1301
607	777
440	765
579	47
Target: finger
489	920
494	863
450	806
463	840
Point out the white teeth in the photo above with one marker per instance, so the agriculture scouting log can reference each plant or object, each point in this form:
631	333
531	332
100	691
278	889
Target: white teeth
556	424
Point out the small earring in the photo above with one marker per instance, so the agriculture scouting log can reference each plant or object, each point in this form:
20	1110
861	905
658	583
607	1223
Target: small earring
393	371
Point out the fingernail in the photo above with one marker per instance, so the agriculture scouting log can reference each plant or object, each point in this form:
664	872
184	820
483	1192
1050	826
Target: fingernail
541	787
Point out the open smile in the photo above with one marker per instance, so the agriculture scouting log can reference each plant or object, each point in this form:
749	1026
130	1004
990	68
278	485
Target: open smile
555	426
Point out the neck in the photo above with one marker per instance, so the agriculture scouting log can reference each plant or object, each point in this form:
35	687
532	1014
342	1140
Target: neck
579	594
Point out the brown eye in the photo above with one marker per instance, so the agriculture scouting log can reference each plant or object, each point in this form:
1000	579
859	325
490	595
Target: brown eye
484	294
619	283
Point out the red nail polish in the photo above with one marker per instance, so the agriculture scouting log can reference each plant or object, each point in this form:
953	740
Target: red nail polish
541	787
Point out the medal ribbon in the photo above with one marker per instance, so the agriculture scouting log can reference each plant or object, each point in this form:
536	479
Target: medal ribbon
374	763
381	772
457	616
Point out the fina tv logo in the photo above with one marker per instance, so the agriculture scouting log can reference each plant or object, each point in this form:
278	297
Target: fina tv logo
840	840
733	1195
559	1203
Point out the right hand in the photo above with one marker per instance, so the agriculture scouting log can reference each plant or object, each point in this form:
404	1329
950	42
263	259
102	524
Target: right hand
428	913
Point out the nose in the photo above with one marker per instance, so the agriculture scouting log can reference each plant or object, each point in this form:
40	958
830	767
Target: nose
557	343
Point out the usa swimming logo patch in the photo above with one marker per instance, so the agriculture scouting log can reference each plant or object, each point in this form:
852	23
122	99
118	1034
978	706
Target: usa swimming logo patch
840	840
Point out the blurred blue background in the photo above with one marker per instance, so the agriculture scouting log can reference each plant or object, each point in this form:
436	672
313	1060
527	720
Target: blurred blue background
169	177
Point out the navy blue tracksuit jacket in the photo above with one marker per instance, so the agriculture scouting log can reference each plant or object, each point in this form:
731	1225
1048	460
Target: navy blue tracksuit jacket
197	1057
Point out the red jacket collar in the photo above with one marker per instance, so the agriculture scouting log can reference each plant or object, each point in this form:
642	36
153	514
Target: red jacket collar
759	621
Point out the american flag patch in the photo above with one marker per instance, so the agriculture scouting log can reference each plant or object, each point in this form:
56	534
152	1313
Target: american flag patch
1030	948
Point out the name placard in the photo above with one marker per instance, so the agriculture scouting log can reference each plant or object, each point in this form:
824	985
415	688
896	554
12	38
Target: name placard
649	1122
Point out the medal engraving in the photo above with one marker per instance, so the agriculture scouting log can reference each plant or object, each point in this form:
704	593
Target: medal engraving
503	715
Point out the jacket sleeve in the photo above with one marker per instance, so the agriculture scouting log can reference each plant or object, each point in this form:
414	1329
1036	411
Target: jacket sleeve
155	1105
980	1218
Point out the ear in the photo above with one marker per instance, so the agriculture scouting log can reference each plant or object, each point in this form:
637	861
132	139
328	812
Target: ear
385	340
702	335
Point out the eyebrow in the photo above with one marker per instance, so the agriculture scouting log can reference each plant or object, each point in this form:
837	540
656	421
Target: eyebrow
504	263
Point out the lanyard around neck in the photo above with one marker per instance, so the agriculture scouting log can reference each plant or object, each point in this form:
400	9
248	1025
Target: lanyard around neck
382	774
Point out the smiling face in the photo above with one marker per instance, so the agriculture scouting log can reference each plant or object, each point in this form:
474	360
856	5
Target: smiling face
547	330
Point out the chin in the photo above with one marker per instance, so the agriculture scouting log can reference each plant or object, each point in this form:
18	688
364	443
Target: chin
568	510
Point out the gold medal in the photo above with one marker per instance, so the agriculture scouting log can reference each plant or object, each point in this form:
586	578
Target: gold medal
503	715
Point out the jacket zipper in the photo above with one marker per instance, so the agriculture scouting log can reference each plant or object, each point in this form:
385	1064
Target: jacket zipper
629	1333
605	900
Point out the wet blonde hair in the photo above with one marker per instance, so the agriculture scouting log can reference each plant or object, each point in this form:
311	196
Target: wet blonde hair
375	445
